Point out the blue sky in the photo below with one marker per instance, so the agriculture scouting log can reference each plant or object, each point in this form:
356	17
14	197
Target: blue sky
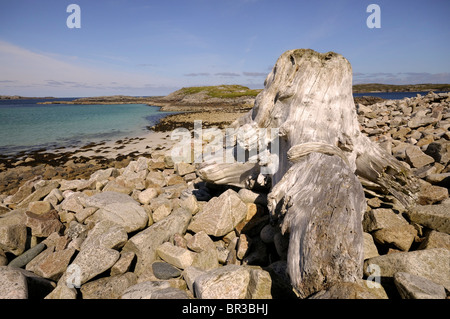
139	47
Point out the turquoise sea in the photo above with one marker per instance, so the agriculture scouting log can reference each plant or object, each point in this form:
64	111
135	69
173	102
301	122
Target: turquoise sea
27	126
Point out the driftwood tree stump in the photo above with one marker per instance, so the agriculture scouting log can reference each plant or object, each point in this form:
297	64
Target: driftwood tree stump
317	173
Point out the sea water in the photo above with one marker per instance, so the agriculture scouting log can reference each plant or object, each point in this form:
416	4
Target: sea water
27	126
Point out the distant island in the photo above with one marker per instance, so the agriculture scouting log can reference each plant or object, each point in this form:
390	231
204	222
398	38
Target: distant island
381	88
18	97
224	93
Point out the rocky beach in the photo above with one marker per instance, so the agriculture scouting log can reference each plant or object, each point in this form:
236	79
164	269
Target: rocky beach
120	219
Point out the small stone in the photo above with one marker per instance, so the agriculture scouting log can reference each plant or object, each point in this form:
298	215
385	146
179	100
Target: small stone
220	215
260	284
417	158
177	256
13	234
146	196
164	271
430	194
54	197
184	168
190	274
206	259
161	212
16	283
45	224
200	242
51	264
370	250
243	246
227	282
123	264
39	207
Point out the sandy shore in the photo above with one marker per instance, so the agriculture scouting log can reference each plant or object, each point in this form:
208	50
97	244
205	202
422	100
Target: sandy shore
80	162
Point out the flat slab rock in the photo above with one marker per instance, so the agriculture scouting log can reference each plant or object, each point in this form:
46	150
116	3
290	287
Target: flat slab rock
118	208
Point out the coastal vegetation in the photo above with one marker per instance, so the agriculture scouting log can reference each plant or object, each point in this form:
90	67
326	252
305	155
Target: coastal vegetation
378	87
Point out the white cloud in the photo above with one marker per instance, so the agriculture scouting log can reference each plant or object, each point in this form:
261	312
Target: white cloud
25	72
401	78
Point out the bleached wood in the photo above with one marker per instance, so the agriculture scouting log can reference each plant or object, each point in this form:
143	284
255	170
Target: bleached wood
316	193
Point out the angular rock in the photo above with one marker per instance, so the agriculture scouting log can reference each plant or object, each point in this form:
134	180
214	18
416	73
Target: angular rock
206	259
415	287
190	274
144	290
161	212
108	287
39	207
416	158
62	291
42	189
248	196
370	250
169	293
431	264
200	242
72	203
51	264
220	215
13	233
16	283
243	246
260	284
431	194
435	239
184	168
177	256
351	290
189	203
113	186
227	282
103	174
45	224
78	184
25	190
145	243
147	195
123	264
401	236
436	217
54	197
118	208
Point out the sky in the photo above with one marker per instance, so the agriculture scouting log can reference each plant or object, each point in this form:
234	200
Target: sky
147	48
